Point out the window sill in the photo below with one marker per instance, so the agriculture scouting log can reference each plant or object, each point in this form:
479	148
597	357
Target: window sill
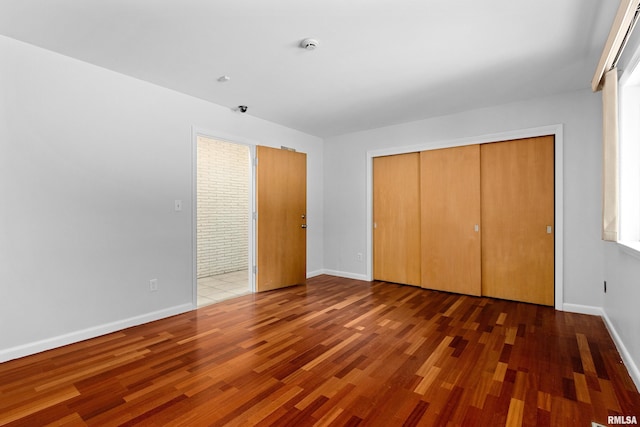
631	248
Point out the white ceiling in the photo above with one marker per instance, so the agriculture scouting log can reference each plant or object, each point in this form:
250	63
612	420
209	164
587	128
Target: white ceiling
380	62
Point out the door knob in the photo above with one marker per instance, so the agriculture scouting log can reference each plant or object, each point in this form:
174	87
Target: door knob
304	225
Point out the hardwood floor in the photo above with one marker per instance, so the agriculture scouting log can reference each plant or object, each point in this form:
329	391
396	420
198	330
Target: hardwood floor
336	352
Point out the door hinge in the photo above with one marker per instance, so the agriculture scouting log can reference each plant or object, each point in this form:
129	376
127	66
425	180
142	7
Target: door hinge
255	161
255	215
255	269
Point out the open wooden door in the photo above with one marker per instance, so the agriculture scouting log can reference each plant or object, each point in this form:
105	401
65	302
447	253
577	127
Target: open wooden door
281	200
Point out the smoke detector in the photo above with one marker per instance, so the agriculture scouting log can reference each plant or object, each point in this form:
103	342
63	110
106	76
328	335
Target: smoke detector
309	44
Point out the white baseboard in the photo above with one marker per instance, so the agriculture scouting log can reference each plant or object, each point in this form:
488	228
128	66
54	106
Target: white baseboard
84	334
632	368
583	309
629	363
315	273
346	274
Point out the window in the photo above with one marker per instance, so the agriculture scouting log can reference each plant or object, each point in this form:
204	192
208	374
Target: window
629	128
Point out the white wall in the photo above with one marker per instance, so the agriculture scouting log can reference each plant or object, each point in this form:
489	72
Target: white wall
578	112
91	162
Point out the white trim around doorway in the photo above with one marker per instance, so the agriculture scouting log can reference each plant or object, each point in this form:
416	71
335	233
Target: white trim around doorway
556	130
195	133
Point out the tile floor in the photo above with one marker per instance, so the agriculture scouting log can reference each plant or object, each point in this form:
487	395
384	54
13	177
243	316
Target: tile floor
222	286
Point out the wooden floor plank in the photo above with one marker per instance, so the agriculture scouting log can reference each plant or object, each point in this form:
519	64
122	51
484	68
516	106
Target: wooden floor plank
336	352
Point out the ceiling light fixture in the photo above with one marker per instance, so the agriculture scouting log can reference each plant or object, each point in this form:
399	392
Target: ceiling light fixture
309	44
223	79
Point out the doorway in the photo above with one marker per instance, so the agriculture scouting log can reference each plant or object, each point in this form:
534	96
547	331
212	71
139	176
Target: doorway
223	223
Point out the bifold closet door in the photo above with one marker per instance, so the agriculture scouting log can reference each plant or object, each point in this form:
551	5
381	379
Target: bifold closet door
450	222
396	218
517	181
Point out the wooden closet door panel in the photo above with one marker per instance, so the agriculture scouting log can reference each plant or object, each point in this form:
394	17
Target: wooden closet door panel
396	216
450	209
518	220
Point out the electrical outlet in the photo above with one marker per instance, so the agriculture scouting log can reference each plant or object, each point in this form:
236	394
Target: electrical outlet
359	257
153	285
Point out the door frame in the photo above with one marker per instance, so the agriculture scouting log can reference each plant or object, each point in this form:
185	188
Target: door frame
555	130
251	144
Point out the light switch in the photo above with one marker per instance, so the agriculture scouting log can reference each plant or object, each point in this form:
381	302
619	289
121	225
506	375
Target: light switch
178	205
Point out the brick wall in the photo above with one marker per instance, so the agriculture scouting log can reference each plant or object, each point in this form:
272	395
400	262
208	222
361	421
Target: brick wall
223	207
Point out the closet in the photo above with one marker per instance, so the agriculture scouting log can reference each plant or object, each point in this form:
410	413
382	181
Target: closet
475	220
